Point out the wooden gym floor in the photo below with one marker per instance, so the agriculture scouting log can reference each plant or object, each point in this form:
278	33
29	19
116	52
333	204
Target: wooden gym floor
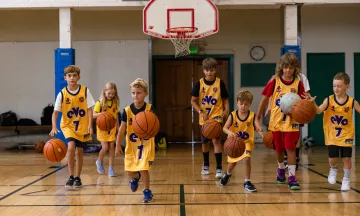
29	185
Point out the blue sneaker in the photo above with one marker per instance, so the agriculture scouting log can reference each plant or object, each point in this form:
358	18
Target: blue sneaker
100	167
148	196
134	183
111	172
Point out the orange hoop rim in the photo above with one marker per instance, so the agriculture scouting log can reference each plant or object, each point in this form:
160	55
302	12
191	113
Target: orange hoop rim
188	31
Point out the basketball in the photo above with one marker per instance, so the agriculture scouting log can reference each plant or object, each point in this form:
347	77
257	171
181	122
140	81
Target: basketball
287	101
39	146
146	125
234	147
55	150
303	111
211	129
105	121
268	140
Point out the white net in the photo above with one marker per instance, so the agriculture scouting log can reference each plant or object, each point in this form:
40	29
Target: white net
181	38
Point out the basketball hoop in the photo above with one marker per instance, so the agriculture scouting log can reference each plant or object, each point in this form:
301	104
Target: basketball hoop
181	38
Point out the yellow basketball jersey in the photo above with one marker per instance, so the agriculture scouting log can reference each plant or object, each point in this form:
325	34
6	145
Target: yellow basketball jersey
108	136
278	120
245	129
337	122
210	100
139	153
75	119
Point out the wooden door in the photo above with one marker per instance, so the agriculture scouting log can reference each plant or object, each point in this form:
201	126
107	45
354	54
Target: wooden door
221	72
173	79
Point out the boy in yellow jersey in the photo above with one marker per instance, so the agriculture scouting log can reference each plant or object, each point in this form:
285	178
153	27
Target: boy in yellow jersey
109	102
242	123
285	130
339	127
139	153
75	102
210	100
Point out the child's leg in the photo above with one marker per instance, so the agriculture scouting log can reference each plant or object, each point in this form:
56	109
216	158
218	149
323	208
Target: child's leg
334	152
111	153
298	144
205	151
71	157
346	153
290	140
134	183
99	161
225	178
248	186
148	196
79	160
218	157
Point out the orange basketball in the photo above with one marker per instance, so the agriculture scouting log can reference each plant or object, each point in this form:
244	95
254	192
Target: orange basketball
234	146
211	129
146	124
105	121
39	146
303	111
268	140
55	150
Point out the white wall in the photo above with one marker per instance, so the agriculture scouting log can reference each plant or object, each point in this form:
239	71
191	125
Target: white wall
339	32
27	71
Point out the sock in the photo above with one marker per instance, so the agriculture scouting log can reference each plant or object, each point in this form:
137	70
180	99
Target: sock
333	166
206	158
292	170
218	157
297	152
347	173
227	173
246	180
281	165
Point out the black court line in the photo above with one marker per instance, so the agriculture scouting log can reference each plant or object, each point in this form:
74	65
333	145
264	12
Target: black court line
182	201
33	192
33	182
320	174
176	204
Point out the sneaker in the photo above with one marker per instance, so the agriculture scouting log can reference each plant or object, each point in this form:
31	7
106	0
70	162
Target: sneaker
345	186
148	196
332	176
219	173
281	176
248	186
111	172
100	167
70	182
297	163
134	183
205	170
225	179
293	184
77	183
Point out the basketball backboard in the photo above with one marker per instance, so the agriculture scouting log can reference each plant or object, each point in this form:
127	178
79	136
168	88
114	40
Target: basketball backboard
199	18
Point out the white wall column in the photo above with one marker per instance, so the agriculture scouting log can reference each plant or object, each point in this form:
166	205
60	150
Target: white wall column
291	25
65	27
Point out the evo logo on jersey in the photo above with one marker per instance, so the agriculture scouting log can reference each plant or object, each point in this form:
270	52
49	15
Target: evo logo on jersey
209	100
243	135
76	111
339	120
133	137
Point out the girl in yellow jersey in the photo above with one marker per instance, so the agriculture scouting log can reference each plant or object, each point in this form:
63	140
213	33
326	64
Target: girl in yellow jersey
242	123
339	127
109	102
139	153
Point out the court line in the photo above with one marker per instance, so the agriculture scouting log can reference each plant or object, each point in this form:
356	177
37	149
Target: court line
182	201
320	174
33	182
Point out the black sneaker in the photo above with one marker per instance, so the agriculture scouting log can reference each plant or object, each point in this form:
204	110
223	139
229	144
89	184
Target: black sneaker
70	182
248	186
225	179
78	183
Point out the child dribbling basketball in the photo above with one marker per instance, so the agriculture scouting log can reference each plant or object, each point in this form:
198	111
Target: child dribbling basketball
210	100
339	127
285	130
109	102
139	153
75	102
242	123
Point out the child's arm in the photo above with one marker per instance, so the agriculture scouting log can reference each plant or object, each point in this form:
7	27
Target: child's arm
97	109
226	108
319	109
120	136
90	127
54	129
194	103
227	126
357	106
268	109
263	102
258	127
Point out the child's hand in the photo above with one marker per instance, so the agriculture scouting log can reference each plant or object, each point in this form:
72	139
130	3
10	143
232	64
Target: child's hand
232	134
204	116
308	97
54	131
259	130
118	150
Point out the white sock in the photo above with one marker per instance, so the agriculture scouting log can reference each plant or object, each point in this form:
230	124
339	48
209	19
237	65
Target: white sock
281	165
227	173
246	180
347	173
292	170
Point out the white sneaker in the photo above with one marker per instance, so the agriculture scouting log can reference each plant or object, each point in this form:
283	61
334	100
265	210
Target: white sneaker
219	174
345	186
205	170
332	176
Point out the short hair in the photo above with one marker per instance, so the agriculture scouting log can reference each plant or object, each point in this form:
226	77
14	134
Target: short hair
244	96
72	69
209	63
140	83
342	76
